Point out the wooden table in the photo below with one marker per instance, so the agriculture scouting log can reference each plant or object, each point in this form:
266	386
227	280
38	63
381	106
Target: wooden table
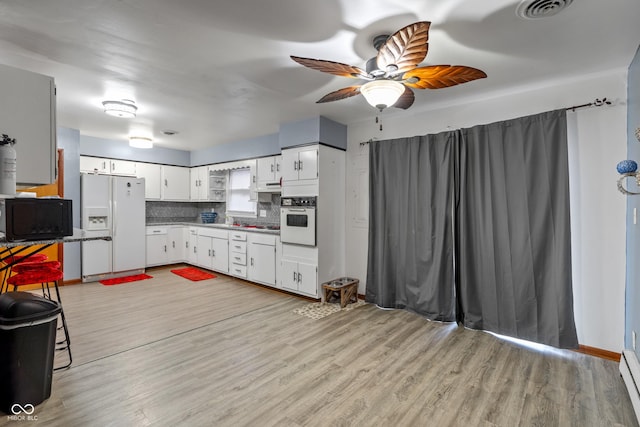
346	286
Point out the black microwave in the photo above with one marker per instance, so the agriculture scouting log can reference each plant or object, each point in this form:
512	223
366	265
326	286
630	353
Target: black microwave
35	218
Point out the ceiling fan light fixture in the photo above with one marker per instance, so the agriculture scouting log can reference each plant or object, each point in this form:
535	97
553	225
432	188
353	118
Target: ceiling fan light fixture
382	93
140	142
124	108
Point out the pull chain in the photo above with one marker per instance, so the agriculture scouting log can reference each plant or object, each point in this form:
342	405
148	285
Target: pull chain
378	121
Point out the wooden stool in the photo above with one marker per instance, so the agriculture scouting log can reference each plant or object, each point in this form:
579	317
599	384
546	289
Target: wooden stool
346	286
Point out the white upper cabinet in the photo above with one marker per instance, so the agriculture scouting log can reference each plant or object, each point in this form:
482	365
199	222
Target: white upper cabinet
94	165
300	163
122	167
269	173
199	179
107	166
28	115
152	179
175	183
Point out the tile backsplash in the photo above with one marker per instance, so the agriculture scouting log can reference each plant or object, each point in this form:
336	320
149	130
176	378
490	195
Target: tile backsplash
160	211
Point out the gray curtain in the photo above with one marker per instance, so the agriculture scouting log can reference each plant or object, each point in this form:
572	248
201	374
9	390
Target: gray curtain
513	244
510	247
410	261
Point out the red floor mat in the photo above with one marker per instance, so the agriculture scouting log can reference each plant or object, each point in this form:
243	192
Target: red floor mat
126	279
193	274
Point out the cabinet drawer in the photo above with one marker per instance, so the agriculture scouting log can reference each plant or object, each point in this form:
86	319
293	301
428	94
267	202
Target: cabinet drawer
213	232
238	270
238	235
263	239
237	258
240	247
156	230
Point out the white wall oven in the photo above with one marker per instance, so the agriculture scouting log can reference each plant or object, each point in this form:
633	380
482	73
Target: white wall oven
298	220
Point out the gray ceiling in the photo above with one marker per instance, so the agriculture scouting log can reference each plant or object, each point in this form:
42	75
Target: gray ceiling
219	71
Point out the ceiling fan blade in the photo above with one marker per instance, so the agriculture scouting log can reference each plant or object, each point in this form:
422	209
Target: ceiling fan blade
339	94
406	99
331	67
440	76
404	49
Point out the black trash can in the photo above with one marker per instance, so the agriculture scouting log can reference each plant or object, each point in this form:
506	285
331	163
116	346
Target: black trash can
27	346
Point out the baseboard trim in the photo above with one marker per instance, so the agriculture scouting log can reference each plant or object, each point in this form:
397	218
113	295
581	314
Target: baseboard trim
71	282
598	352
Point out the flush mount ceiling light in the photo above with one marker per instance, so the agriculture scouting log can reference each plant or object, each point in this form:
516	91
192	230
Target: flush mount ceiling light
382	93
140	142
125	108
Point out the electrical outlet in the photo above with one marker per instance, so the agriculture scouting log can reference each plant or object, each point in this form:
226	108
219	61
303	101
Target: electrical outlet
633	339
263	212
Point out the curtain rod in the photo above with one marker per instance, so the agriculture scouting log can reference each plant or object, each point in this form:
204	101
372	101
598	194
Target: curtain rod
596	103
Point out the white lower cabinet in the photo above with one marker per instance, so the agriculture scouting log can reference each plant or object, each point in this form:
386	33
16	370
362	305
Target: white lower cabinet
176	251
261	251
213	249
156	246
300	277
191	246
299	269
165	245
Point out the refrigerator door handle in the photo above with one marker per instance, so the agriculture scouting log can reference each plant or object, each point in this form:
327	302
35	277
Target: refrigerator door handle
114	219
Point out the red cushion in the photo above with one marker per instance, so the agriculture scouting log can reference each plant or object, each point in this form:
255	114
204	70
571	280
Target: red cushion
39	276
34	266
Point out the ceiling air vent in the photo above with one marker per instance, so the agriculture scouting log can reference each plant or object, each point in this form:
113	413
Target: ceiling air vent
534	9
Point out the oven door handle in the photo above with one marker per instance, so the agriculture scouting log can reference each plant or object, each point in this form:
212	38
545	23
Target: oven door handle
296	210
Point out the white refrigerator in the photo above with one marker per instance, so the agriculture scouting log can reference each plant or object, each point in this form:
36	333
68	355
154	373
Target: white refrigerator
115	204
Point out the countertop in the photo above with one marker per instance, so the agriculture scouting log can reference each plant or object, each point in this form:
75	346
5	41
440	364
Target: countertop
78	236
223	226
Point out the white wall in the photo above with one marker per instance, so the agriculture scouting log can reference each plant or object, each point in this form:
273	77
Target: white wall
598	209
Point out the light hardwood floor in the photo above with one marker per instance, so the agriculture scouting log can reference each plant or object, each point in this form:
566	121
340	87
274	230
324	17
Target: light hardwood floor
169	352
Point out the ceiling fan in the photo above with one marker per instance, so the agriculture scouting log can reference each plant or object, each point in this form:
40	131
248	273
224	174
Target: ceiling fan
391	75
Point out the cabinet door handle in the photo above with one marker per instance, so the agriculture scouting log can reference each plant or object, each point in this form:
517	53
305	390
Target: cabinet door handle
299	277
295	165
165	248
209	252
299	164
295	279
251	261
186	245
213	253
173	244
272	167
278	167
238	258
166	183
104	165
